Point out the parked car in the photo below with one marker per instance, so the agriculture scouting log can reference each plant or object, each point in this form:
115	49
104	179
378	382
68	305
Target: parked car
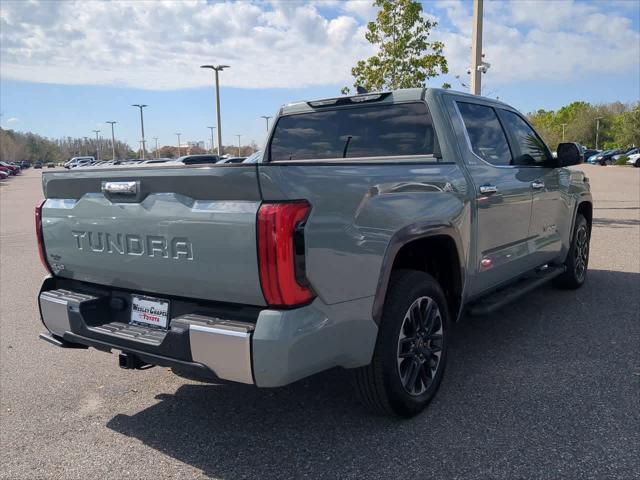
589	152
605	158
254	157
630	151
51	165
79	162
634	159
25	164
3	175
373	223
12	168
197	159
154	160
232	160
37	165
593	158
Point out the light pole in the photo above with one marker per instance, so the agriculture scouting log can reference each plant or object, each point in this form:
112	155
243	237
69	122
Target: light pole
238	144
156	139
113	141
266	117
178	134
141	106
212	144
97	145
597	130
563	125
476	49
217	69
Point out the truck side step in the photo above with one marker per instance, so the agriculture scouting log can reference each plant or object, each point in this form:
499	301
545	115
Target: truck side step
508	294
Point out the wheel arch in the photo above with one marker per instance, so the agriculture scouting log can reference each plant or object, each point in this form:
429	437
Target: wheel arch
586	209
413	248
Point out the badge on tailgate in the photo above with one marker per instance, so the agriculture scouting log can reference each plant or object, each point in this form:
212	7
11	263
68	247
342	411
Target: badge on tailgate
125	188
149	311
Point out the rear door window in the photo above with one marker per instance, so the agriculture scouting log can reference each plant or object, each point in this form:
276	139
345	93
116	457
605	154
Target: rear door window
487	138
355	132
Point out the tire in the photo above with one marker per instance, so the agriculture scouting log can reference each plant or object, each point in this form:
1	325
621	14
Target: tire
577	260
637	163
403	387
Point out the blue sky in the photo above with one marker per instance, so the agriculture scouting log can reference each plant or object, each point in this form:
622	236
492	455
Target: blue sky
60	78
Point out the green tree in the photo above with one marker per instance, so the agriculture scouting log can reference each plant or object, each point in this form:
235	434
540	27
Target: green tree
405	57
618	124
627	127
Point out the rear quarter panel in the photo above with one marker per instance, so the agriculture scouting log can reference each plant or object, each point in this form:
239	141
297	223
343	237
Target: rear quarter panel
356	210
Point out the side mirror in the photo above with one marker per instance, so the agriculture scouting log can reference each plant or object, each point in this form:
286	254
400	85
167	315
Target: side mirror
569	154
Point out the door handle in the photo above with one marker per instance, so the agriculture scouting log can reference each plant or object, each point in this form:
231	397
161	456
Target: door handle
537	184
488	189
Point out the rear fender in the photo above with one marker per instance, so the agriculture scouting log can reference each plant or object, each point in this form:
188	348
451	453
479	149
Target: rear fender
406	235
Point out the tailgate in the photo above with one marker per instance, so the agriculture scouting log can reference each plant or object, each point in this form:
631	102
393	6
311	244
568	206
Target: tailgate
179	231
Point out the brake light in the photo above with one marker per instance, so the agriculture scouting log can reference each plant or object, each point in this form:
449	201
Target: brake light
281	253
41	251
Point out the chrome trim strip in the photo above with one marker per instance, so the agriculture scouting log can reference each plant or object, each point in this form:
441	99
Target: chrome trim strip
219	331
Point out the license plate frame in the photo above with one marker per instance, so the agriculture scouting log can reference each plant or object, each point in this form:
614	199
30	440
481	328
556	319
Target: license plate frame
149	311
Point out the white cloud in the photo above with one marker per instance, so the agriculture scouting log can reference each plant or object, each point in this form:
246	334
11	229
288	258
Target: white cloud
542	40
362	8
13	120
159	45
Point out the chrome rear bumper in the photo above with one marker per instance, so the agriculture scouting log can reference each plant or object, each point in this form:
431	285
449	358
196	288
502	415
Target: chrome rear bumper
222	346
274	348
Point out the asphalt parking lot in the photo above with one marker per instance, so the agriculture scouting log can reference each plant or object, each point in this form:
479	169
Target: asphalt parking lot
548	387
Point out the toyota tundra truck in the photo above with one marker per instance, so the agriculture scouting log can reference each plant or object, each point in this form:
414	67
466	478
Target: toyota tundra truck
370	224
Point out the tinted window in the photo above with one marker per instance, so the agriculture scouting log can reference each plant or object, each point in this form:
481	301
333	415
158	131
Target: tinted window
533	151
486	135
367	131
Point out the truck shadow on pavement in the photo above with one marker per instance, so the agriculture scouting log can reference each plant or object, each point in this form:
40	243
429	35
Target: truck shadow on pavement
529	386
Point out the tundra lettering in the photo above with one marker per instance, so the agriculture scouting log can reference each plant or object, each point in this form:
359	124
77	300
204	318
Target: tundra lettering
154	246
363	230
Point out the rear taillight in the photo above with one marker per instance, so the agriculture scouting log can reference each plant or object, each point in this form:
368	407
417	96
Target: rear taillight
281	253
41	251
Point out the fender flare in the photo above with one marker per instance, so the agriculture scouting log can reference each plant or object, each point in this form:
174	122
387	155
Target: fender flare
583	198
402	237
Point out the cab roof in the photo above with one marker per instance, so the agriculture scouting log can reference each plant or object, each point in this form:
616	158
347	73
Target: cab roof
393	96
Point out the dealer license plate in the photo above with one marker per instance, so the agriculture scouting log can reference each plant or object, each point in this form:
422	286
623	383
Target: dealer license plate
149	311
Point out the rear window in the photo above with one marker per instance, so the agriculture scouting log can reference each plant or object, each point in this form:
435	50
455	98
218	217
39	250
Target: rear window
367	131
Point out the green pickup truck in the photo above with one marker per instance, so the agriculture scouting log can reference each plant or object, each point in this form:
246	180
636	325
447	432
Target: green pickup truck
369	225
